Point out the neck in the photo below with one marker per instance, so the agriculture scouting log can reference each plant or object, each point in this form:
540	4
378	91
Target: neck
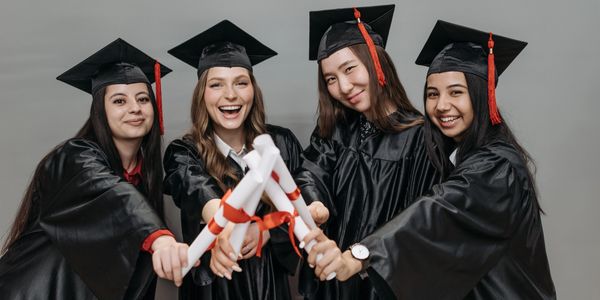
128	151
233	138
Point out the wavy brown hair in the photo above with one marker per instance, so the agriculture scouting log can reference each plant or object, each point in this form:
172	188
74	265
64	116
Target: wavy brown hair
202	131
392	94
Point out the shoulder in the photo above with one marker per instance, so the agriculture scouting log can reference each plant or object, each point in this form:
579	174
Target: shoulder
79	152
183	146
180	151
495	156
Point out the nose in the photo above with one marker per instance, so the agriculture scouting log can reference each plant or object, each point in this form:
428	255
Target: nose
345	85
443	103
230	93
134	107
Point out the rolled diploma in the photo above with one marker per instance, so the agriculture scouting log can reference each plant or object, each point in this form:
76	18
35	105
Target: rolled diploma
237	198
264	169
286	181
283	203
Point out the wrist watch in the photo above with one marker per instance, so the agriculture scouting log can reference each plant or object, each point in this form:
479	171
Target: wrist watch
359	251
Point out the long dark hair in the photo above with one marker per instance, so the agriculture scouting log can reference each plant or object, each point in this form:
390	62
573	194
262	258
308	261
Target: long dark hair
332	111
96	129
480	133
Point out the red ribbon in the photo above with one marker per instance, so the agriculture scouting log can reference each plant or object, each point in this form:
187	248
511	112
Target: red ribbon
372	49
230	213
494	114
273	220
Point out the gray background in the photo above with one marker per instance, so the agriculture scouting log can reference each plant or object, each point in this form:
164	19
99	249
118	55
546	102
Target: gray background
547	94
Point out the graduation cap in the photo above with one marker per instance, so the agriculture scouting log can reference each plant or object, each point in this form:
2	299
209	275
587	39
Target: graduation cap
117	63
223	45
334	29
451	47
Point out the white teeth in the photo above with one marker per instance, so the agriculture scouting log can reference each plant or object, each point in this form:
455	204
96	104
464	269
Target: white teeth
448	119
230	107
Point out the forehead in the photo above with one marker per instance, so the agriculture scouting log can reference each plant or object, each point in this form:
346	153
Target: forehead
446	79
337	59
227	72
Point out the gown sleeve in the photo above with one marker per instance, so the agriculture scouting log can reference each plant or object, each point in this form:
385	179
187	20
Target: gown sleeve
314	177
95	218
191	187
441	245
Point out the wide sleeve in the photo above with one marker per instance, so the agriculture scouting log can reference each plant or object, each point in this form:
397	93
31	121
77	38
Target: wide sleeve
440	246
315	176
96	219
191	187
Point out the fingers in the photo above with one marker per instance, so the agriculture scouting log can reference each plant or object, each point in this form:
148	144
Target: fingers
157	265
223	264
329	261
313	234
249	249
176	264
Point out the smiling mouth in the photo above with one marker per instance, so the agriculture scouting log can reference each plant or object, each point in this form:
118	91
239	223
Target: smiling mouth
135	122
448	121
230	109
354	98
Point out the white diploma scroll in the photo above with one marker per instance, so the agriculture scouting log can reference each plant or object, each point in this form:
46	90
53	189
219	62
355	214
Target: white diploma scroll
286	181
245	188
283	203
264	169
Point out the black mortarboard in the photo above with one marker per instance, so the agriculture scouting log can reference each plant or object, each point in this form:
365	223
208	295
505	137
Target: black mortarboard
334	29
117	63
223	45
452	47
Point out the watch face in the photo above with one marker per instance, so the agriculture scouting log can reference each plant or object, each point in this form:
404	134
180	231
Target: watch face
359	251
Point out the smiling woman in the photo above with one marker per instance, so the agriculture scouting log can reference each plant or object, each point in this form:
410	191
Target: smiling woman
90	225
227	114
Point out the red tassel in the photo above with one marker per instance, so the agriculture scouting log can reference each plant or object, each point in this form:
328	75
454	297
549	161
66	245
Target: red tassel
494	114
159	97
372	49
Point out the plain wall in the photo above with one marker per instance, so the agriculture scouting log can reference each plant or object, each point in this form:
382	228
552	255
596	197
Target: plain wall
546	95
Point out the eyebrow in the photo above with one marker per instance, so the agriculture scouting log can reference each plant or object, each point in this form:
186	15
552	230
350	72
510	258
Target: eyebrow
223	79
124	95
457	85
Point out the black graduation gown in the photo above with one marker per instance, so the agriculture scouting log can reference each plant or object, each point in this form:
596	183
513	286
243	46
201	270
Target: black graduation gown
86	235
477	236
364	186
191	186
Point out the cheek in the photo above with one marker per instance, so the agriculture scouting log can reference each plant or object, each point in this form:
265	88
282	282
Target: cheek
430	108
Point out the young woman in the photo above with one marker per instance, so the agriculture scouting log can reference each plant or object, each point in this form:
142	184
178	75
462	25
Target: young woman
478	234
92	214
227	114
367	159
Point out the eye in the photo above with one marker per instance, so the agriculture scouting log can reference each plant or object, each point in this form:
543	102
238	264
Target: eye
349	69
144	100
456	93
243	83
119	101
330	80
214	85
432	94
